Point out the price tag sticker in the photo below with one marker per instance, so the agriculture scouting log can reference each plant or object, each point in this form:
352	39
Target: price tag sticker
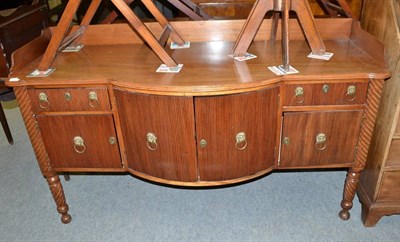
325	56
165	69
279	70
244	57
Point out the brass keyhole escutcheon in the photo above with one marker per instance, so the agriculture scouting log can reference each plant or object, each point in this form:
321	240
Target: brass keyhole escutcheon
67	96
286	141
203	143
325	88
112	140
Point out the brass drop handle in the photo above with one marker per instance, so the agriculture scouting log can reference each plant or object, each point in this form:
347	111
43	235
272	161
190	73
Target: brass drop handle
79	145
241	142
320	142
93	101
299	94
151	141
351	93
43	100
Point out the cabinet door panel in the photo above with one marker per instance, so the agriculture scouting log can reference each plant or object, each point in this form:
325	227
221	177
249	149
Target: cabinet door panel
218	121
171	121
59	132
336	132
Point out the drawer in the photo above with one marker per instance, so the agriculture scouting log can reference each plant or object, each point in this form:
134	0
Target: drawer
318	139
393	158
397	133
390	187
325	94
80	141
69	99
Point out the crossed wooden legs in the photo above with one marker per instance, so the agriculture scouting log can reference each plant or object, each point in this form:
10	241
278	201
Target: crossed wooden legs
256	16
59	39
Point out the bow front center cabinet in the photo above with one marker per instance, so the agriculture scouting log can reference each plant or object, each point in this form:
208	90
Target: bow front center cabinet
218	121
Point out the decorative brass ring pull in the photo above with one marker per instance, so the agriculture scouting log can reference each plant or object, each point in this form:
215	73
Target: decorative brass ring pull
151	141
93	101
299	94
351	93
320	142
43	100
79	145
241	142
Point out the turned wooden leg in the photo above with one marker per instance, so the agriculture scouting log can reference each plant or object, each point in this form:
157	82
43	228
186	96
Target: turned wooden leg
353	176
67	177
58	195
349	192
40	151
4	123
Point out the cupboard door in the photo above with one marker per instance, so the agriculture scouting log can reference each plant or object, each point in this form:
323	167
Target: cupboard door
159	135
80	141
312	139
236	134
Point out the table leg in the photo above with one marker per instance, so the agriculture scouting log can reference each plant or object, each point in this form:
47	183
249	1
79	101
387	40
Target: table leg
352	179
41	155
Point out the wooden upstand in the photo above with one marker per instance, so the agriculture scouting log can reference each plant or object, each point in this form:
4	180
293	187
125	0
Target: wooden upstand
218	121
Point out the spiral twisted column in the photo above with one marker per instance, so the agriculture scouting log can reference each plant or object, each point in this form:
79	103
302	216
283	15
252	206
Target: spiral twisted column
41	154
353	175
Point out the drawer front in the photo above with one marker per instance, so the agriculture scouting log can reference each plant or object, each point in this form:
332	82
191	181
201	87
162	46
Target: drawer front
80	141
69	99
390	187
325	94
318	139
397	133
393	158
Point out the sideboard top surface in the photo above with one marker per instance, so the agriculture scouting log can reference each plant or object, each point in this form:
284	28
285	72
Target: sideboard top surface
207	68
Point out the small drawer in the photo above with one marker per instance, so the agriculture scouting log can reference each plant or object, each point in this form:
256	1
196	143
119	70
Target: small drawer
325	94
319	139
390	187
69	99
393	158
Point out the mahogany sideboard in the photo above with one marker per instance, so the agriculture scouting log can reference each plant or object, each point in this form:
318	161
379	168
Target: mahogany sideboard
218	121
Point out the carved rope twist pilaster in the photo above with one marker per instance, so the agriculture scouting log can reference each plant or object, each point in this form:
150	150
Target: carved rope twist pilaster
352	179
41	155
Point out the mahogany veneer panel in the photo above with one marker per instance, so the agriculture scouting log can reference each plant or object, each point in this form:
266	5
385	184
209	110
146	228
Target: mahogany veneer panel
171	120
219	119
58	133
341	130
